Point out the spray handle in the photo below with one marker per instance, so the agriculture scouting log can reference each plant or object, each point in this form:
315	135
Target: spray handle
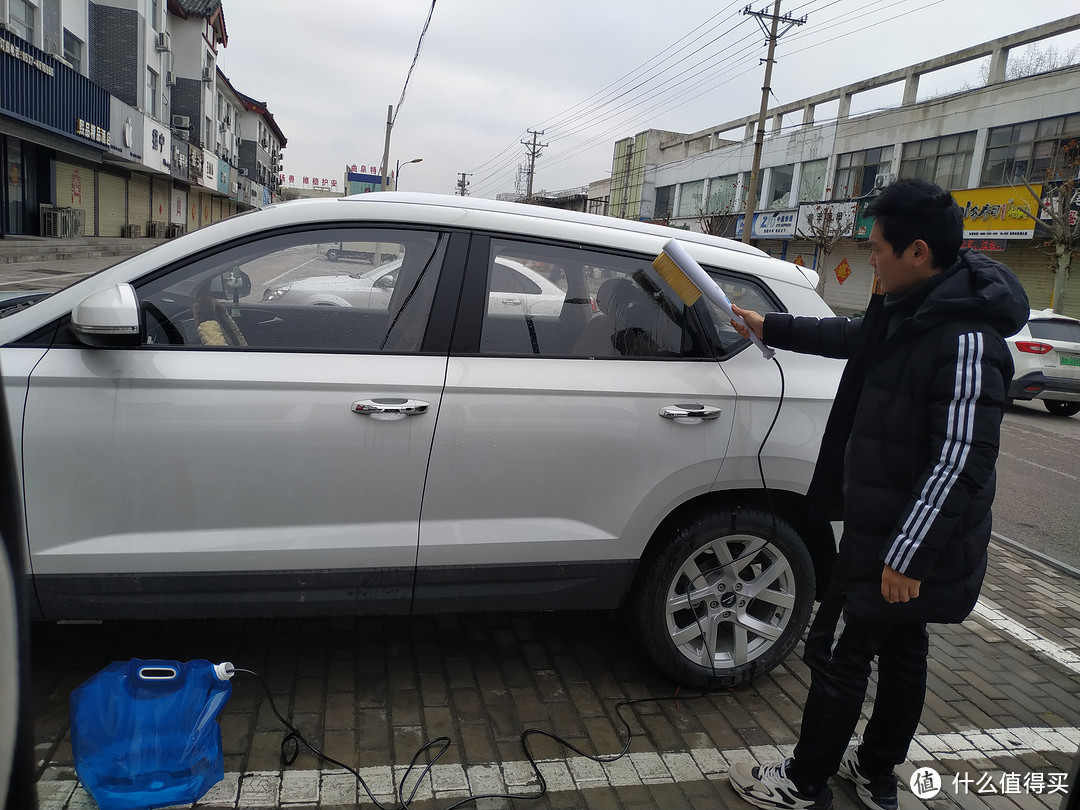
224	671
718	297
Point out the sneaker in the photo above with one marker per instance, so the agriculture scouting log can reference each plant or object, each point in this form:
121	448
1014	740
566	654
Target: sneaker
876	792
768	786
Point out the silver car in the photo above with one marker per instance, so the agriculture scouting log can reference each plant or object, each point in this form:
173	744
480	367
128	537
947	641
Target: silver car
186	448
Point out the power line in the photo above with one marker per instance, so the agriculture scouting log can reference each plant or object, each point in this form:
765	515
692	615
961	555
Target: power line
416	56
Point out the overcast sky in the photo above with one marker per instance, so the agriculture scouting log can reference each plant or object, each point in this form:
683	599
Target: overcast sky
586	72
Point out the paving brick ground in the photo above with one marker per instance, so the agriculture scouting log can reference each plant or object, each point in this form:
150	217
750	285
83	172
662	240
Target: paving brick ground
1002	711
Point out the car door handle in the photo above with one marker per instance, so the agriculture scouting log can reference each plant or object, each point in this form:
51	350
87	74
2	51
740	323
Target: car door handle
512	302
390	409
690	414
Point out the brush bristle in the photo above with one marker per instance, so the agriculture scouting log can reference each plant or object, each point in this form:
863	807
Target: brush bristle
671	273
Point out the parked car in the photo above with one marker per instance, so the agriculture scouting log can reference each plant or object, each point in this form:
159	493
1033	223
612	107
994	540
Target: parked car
513	286
1046	354
187	449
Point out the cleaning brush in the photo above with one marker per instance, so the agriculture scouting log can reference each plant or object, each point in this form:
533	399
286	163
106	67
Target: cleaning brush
689	281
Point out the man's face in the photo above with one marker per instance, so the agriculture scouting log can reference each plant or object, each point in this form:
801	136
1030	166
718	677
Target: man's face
898	274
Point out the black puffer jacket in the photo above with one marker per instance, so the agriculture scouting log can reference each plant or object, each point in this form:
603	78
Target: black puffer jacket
911	443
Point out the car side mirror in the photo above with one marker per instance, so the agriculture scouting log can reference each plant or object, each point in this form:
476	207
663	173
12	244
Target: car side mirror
109	318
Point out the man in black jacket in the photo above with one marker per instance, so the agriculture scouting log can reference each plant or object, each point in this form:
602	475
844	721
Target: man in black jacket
907	460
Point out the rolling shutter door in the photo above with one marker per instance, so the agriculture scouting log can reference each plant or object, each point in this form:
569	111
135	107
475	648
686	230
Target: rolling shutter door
160	200
139	203
75	189
112	204
1031	264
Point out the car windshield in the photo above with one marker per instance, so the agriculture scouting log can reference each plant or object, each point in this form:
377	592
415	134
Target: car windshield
1060	330
10	303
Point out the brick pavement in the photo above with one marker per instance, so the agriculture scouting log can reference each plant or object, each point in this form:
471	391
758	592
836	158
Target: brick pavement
1002	706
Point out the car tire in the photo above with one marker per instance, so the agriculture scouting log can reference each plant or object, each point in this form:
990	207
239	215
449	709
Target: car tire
333	255
1060	408
749	609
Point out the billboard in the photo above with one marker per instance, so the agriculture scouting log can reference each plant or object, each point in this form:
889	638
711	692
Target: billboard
998	212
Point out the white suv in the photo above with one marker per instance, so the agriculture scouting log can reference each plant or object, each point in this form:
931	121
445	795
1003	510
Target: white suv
187	448
1046	356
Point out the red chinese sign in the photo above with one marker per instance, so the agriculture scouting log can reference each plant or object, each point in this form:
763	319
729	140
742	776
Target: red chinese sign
843	270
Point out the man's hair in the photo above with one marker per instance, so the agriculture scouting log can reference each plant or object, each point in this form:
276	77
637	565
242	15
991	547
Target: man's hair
918	209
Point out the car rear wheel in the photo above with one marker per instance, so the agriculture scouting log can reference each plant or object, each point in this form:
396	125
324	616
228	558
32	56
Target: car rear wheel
727	598
333	255
1059	408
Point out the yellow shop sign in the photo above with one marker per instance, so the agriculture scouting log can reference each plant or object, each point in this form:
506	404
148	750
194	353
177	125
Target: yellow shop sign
999	212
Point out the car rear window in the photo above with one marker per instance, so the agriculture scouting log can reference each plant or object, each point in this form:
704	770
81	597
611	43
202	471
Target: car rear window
1060	330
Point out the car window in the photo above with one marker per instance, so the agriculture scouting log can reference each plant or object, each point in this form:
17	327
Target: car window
301	291
744	292
1057	330
553	301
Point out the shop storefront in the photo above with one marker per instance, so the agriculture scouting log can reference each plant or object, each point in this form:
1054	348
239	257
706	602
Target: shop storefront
50	115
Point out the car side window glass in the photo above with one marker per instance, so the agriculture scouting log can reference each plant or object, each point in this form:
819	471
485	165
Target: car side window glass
554	301
354	289
743	292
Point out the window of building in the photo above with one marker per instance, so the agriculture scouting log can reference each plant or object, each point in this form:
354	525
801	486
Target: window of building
812	181
662	208
945	160
690	195
780	187
22	19
722	194
73	49
155	14
1033	150
151	93
857	171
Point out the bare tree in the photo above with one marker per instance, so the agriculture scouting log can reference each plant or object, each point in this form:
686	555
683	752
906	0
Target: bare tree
826	225
1058	221
1032	60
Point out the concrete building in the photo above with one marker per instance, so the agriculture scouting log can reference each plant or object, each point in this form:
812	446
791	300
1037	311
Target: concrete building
820	162
115	121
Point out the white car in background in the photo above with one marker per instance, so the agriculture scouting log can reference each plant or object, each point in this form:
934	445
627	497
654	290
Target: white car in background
1046	357
185	448
514	288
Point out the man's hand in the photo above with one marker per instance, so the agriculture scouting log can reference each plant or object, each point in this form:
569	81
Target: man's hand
896	587
754	320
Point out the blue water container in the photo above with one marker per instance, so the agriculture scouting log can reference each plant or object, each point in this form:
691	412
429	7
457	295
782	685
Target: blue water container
145	734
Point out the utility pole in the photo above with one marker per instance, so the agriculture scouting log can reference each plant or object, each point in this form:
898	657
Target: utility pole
463	185
386	145
534	152
759	140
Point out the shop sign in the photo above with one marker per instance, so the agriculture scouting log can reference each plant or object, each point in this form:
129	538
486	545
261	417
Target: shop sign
1050	200
769	225
157	146
92	132
998	212
16	52
209	176
195	163
985	245
826	218
125	131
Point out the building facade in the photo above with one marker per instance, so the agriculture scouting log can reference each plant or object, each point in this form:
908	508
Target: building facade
821	165
115	120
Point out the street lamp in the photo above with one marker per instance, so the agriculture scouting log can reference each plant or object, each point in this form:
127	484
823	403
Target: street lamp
397	171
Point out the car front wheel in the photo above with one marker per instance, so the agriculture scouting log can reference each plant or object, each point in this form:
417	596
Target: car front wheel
727	598
1059	408
333	255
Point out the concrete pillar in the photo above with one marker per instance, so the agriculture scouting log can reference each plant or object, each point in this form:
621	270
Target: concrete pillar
808	115
844	109
911	88
998	61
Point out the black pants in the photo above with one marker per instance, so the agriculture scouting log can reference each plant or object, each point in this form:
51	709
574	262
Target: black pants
839	651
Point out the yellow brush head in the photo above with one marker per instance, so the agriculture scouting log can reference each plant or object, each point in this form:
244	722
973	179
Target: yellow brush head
671	273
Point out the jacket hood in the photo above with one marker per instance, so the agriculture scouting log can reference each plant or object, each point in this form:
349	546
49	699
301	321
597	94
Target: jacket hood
978	289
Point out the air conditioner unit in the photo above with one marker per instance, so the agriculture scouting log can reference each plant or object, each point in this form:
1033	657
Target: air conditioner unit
181	122
163	43
170	78
884	179
242	172
228	117
207	74
221	127
264	143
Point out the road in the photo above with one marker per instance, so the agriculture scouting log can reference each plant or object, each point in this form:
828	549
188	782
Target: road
1038	496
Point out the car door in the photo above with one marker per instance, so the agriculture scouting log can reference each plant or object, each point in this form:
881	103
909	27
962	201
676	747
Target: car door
550	464
281	471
